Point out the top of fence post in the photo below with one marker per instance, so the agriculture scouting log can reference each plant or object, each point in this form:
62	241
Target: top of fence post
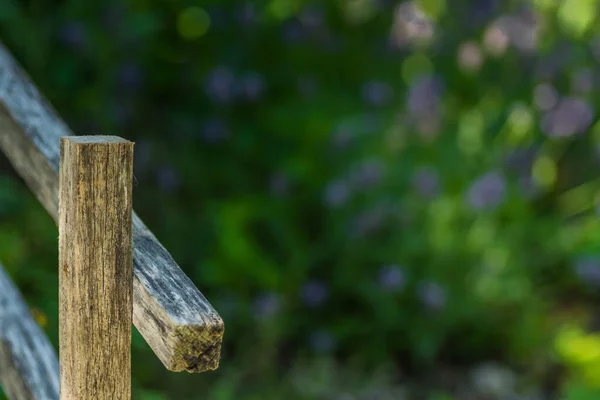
175	319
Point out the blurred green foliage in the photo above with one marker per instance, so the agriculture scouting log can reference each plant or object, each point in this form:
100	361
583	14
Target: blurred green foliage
355	185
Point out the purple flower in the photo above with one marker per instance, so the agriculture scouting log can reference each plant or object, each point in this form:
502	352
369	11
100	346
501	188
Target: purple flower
432	295
73	34
583	80
252	86
219	85
266	305
322	341
391	278
426	181
487	192
168	178
314	293
368	174
337	193
545	96
570	117
588	270
424	96
214	130
377	93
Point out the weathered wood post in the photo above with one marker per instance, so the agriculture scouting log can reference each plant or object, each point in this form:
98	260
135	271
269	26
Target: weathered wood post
95	267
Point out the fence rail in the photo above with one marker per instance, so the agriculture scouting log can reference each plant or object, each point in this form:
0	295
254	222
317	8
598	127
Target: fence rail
28	364
175	319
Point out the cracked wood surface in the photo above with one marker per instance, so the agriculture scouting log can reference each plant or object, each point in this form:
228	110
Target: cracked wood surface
175	319
94	267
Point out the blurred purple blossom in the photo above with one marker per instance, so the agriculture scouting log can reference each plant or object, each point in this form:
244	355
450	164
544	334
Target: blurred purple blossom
470	57
168	178
411	25
377	93
391	278
73	34
314	293
367	174
432	295
582	81
487	192
322	341
252	86
266	305
545	96
570	117
588	270
426	181
424	96
214	130
495	39
522	29
337	193
219	85
129	76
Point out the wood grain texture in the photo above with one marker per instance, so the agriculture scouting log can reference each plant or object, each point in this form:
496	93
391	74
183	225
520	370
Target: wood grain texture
175	319
28	363
95	267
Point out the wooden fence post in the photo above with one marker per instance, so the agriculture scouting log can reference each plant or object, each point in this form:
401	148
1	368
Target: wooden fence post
95	267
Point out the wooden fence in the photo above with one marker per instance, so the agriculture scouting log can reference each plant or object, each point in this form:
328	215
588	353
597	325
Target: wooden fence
179	324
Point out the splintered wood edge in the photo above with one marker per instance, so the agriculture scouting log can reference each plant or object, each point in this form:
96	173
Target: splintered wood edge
31	131
28	363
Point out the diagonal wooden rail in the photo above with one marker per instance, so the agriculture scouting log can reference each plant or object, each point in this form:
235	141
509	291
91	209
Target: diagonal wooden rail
28	364
175	319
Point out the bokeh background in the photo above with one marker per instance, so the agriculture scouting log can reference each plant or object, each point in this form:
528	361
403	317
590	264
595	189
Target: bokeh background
383	199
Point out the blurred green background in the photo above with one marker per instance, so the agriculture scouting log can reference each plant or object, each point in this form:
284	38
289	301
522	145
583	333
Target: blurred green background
382	199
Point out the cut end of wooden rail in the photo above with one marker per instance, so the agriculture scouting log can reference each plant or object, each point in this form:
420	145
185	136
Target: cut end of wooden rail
198	348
